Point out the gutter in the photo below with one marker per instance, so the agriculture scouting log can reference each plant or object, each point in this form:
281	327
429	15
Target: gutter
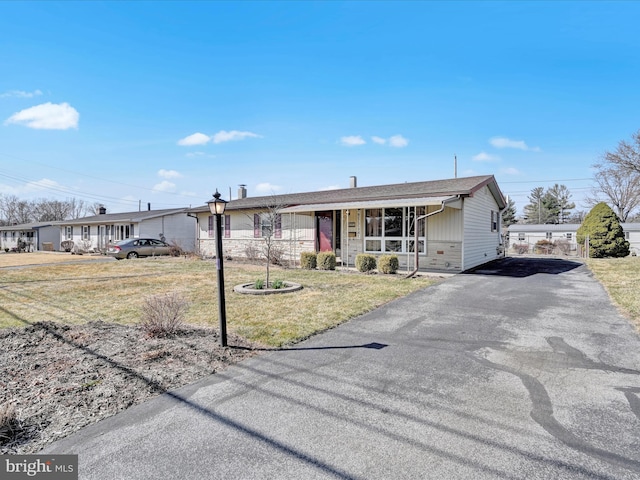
416	230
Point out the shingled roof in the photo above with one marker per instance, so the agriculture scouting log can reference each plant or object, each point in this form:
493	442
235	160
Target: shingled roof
126	217
436	188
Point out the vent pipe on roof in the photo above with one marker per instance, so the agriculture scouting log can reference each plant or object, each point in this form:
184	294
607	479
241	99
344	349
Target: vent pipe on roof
353	181
242	191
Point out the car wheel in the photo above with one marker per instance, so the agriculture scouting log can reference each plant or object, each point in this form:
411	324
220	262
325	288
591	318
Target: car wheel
132	255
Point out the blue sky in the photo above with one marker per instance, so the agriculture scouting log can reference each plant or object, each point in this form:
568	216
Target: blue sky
129	103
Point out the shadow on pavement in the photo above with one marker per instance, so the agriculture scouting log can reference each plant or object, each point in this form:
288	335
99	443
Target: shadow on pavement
524	267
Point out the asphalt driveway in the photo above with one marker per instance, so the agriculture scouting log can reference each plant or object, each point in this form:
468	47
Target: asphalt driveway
522	369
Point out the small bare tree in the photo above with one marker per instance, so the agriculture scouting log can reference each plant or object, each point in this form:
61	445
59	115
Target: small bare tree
268	224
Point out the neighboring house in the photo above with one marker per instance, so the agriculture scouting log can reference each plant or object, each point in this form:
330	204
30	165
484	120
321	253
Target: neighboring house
33	236
523	237
99	231
459	225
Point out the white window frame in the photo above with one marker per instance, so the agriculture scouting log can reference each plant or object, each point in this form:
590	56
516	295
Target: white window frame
404	240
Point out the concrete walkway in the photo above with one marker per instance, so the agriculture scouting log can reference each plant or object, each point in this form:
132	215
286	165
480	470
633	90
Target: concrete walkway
521	370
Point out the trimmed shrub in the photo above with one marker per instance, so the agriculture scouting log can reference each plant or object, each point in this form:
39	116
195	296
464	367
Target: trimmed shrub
544	246
388	264
162	314
308	260
67	245
326	261
606	236
365	262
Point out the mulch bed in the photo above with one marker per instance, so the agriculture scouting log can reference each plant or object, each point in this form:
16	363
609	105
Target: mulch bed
59	378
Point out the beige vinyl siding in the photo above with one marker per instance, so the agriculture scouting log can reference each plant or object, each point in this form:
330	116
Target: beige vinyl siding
297	234
445	226
480	243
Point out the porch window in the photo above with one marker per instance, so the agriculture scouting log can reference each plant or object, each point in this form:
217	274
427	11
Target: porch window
392	230
211	226
549	235
68	232
86	232
373	245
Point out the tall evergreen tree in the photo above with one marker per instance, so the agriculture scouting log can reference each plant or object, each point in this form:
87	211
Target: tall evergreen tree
606	237
509	214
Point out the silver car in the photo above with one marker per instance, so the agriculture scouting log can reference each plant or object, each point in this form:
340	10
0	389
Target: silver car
139	247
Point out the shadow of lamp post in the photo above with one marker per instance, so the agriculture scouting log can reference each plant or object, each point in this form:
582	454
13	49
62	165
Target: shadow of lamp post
217	206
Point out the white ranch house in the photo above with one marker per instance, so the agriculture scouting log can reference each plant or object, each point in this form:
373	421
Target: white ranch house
458	229
34	236
523	237
99	231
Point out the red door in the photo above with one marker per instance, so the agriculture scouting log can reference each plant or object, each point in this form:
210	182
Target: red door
325	231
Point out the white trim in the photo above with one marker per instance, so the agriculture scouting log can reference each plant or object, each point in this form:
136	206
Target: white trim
397	202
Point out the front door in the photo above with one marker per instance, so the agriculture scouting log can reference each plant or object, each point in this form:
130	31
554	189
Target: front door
325	231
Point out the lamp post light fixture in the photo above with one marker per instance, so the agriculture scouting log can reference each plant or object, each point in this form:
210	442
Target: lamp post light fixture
217	206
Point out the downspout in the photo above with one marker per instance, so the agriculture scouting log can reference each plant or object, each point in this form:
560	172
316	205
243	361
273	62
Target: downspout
197	245
416	230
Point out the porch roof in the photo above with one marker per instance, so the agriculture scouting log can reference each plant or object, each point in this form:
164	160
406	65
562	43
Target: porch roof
396	202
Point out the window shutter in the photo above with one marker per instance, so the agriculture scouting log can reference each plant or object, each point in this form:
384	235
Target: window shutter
227	226
256	226
278	226
211	226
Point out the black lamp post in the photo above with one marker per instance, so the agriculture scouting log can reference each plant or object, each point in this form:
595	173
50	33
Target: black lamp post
217	206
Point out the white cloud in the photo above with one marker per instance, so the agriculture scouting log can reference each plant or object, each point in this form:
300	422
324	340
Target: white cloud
503	142
195	139
398	141
200	154
20	94
47	116
352	141
485	157
510	171
32	187
267	187
169	173
164	186
378	140
330	187
233	135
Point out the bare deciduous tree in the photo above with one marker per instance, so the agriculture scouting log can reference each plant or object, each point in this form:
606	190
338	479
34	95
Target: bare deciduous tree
269	224
16	211
618	187
627	155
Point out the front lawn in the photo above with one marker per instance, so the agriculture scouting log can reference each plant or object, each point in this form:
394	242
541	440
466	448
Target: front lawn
621	279
115	291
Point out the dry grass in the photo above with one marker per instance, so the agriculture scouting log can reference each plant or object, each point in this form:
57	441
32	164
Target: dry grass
115	292
621	279
36	258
